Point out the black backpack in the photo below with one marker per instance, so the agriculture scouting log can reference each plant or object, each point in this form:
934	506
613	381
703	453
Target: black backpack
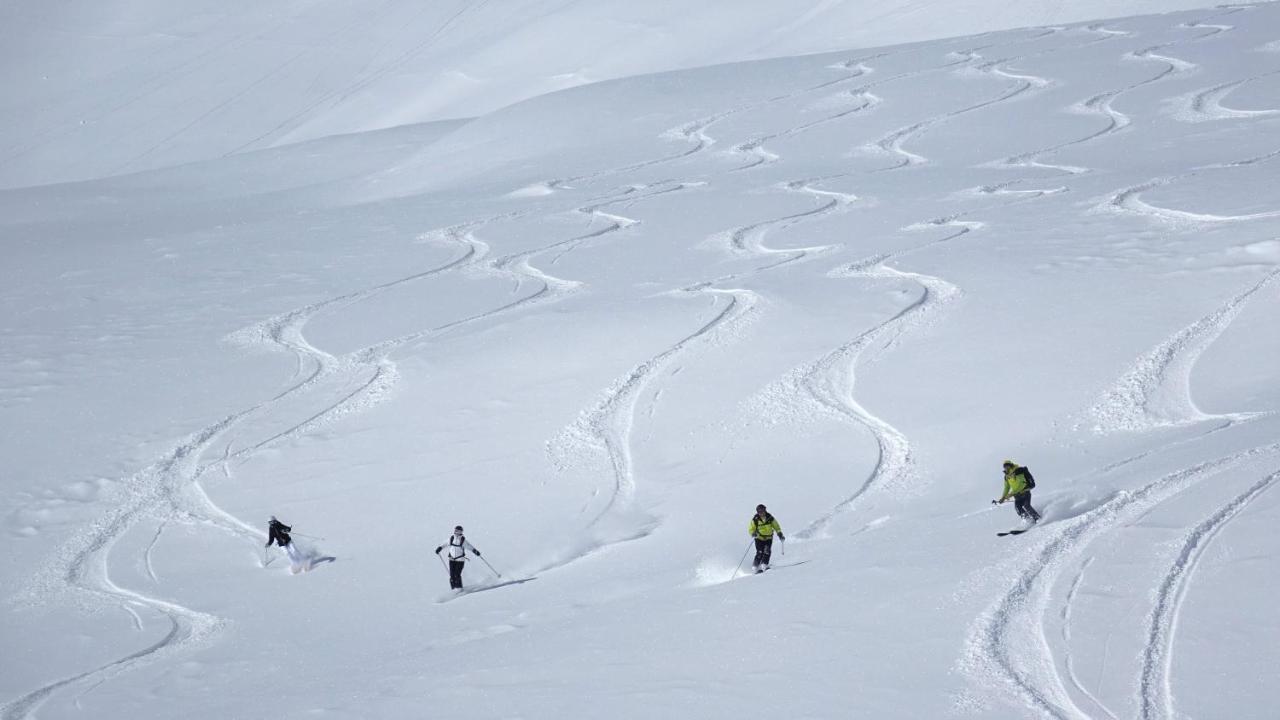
1031	482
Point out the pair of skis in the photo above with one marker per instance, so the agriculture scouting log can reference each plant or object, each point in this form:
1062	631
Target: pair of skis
481	588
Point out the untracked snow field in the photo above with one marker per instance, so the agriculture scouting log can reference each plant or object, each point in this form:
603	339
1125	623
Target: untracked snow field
597	325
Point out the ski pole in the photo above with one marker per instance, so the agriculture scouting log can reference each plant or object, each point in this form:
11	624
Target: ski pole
444	564
782	543
738	567
486	562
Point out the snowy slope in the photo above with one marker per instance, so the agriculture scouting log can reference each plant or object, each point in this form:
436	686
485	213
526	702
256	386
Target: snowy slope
106	87
596	327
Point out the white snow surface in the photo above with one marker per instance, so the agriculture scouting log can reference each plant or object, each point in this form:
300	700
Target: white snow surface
106	87
840	258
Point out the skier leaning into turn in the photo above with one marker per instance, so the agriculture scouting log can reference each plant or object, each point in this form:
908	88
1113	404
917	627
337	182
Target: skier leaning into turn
458	547
762	527
278	533
1017	485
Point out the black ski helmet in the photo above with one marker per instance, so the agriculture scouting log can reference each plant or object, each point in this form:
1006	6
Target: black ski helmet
457	528
760	508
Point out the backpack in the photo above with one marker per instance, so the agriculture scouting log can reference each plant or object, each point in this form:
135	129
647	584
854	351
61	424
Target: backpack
1031	482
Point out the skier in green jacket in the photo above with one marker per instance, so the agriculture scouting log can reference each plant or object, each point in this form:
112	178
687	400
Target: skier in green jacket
1017	485
762	527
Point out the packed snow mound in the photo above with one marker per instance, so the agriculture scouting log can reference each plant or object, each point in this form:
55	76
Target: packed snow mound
103	88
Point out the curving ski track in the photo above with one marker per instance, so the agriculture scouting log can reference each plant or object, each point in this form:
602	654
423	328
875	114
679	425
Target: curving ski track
1102	106
171	489
1034	677
1156	391
1155	689
893	143
609	425
1068	661
831	381
1129	200
861	99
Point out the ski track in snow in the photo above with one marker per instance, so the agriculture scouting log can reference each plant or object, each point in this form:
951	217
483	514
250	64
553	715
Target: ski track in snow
1163	375
605	431
830	382
79	570
860	99
1129	200
748	240
893	143
1102	104
1156	391
1206	105
151	568
992	652
1155	689
1068	660
695	132
171	488
607	427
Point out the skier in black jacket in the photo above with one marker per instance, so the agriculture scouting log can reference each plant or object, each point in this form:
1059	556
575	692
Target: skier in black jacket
278	533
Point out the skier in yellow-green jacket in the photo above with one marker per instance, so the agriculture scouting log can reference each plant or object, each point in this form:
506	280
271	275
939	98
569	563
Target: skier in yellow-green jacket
1017	485
763	527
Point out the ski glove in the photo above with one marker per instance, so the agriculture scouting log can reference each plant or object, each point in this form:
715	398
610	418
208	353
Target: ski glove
439	549
782	537
477	552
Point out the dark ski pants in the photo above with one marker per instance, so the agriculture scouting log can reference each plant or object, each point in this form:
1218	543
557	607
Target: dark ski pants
1022	503
764	550
455	574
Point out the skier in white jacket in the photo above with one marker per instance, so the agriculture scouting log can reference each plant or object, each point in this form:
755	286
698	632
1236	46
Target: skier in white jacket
458	547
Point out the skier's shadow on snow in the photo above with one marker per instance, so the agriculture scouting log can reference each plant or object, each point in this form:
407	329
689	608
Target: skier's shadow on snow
311	564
